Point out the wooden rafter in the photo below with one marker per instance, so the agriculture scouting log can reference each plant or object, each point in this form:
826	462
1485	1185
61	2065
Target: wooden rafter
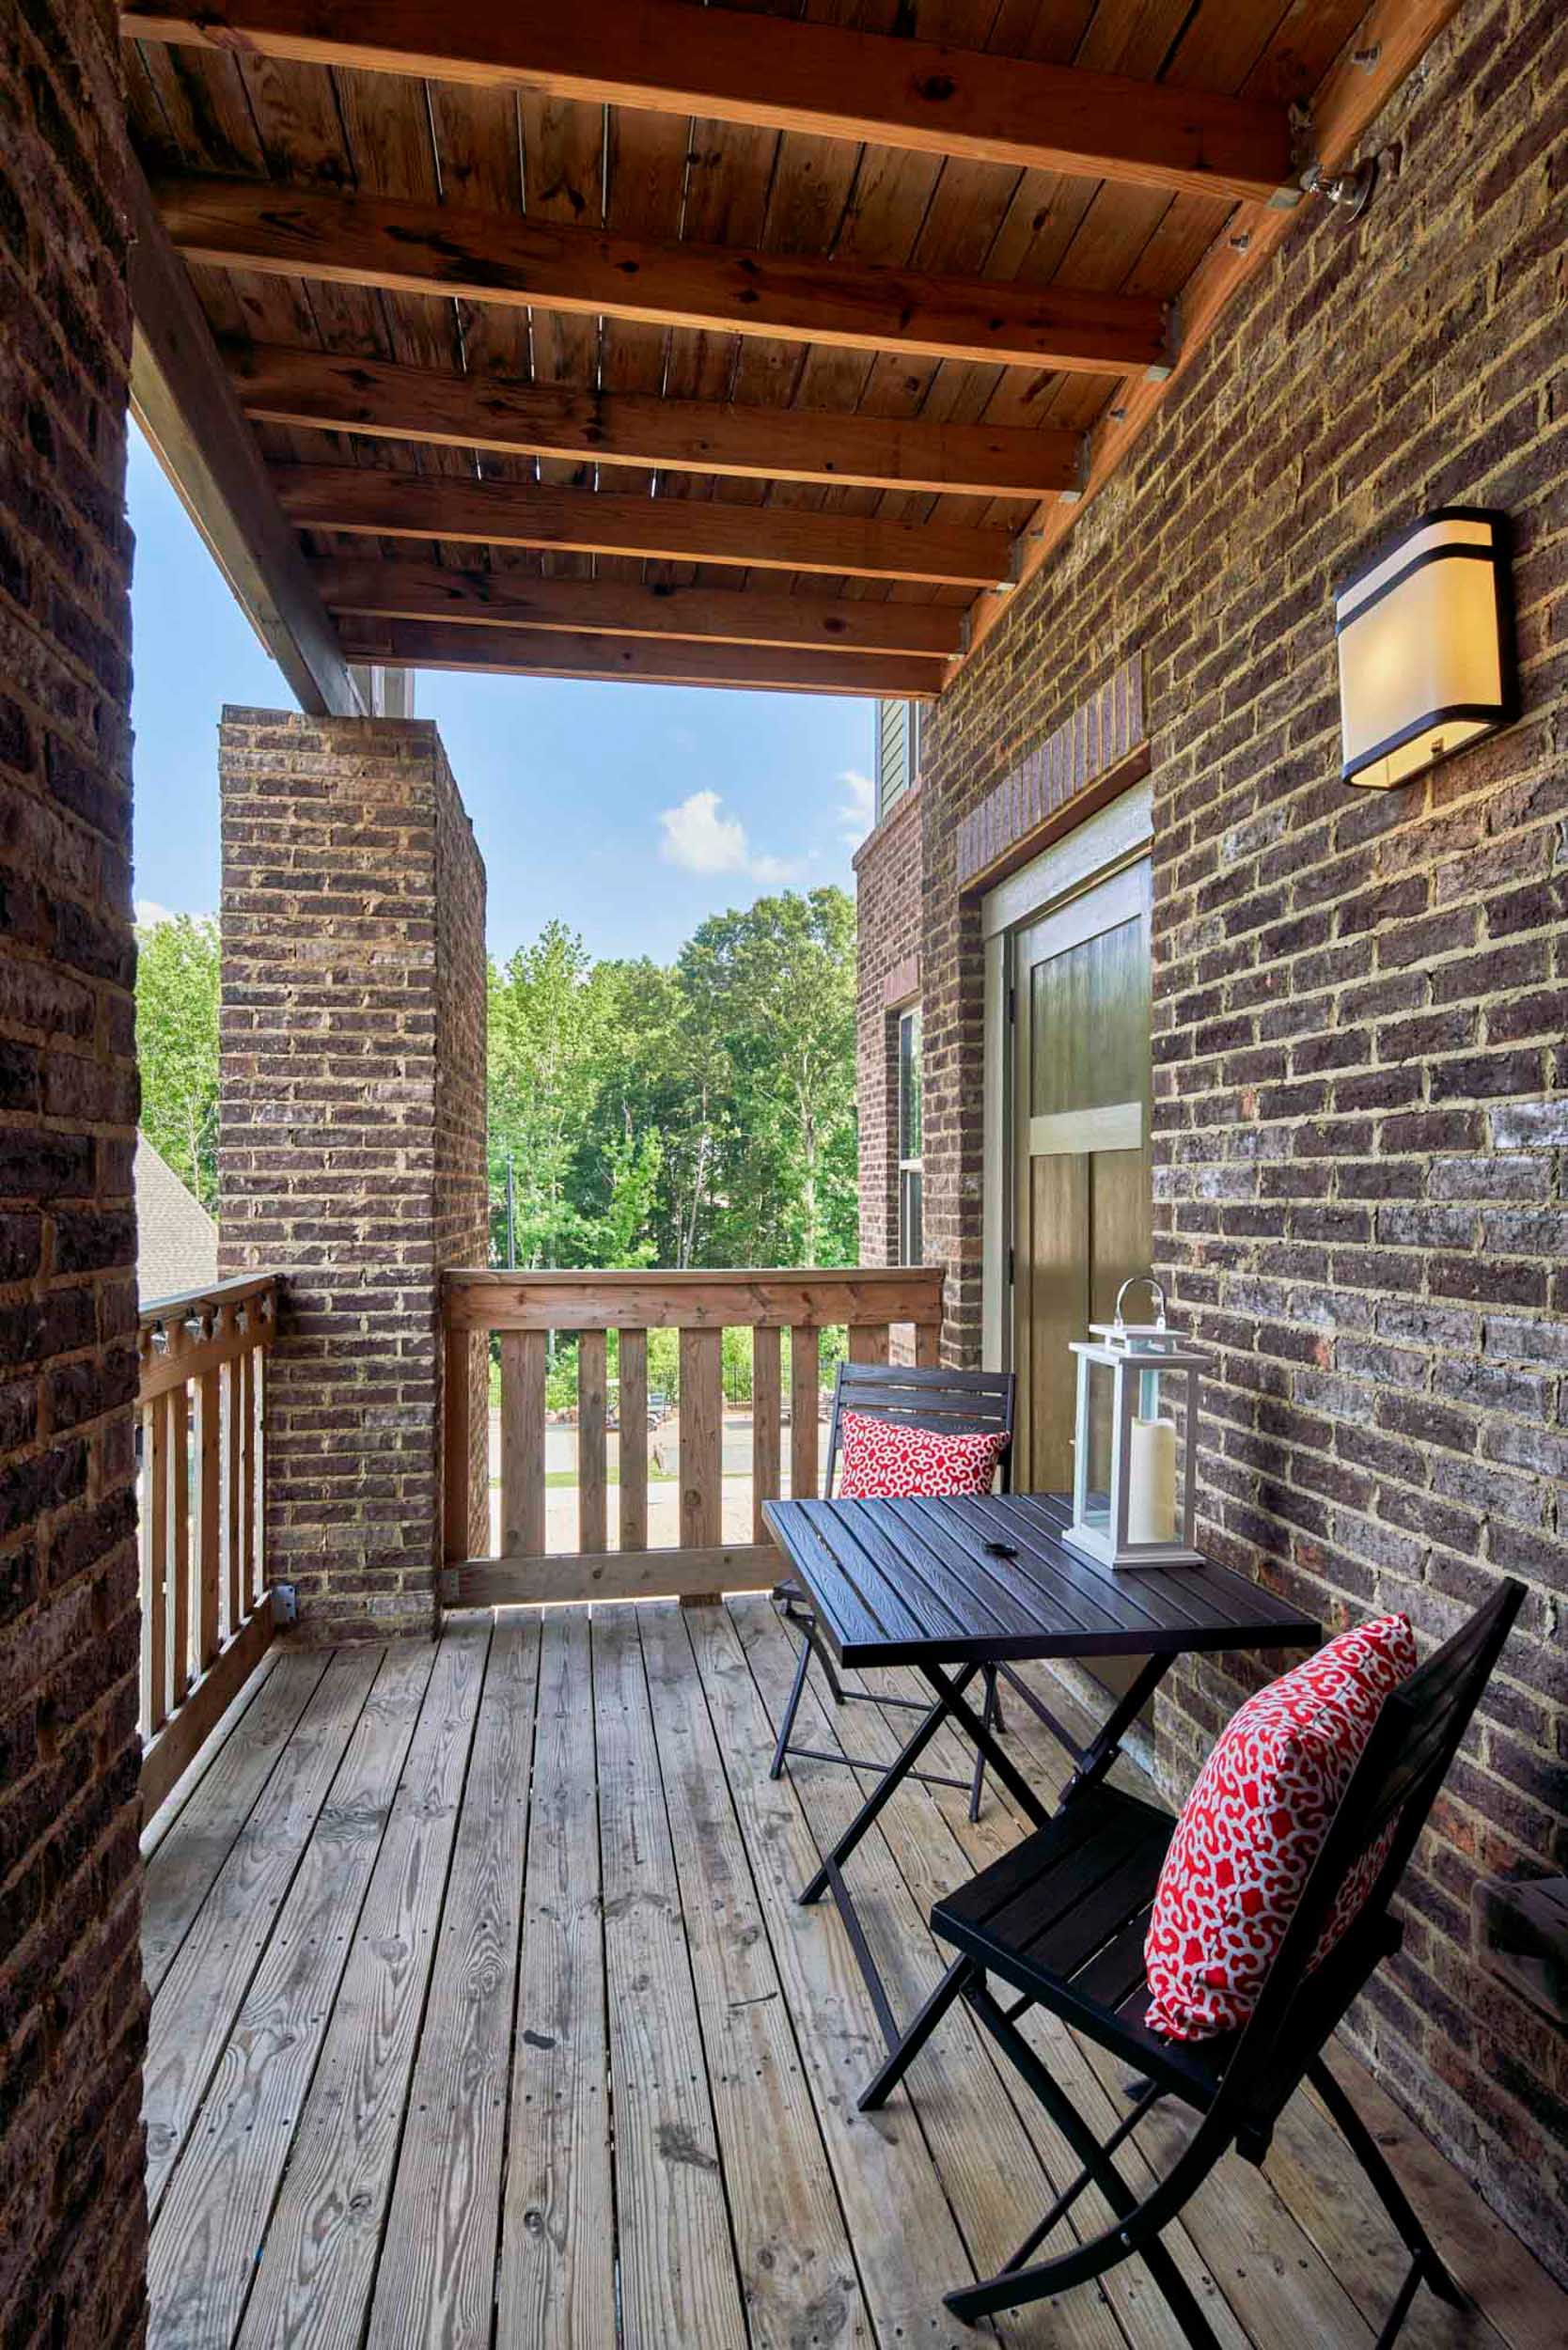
825	80
677	530
1391	39
183	403
429	591
644	660
322	390
432	248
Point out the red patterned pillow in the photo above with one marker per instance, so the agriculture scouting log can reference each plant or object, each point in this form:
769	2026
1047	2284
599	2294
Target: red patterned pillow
1253	1825
884	1459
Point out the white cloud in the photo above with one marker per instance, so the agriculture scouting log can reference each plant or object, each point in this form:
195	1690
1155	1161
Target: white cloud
701	838
857	809
147	913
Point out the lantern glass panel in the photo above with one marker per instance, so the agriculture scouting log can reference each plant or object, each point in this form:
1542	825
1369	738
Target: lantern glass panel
1101	1436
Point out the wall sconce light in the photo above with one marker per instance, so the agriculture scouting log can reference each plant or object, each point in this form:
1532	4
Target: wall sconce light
1426	658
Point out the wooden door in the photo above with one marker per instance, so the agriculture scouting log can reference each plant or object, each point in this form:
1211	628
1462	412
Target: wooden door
1081	1217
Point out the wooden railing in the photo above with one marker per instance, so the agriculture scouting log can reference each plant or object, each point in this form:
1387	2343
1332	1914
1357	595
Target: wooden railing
205	1619
524	1309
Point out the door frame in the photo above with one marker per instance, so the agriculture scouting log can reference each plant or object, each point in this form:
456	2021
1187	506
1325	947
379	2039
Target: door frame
1102	845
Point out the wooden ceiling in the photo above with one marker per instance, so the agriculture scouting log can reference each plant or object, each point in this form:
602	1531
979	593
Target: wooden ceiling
638	338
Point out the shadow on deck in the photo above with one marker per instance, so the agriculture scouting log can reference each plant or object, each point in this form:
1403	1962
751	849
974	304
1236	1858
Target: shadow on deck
484	2011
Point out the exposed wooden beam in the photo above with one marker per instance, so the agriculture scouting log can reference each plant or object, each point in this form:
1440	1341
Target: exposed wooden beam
428	591
825	80
644	660
428	248
185	405
328	392
1389	40
675	531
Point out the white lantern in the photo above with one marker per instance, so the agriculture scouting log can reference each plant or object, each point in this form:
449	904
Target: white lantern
1133	1468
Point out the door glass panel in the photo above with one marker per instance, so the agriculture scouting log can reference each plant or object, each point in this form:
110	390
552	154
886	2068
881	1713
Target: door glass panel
1090	1023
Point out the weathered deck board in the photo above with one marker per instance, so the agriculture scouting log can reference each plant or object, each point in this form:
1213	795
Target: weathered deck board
557	2284
678	2280
214	2218
484	2009
793	2251
437	2274
319	2261
203	1990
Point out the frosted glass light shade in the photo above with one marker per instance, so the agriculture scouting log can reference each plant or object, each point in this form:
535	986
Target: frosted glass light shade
1425	664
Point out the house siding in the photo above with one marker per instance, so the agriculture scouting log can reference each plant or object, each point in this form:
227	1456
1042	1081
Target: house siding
1361	1082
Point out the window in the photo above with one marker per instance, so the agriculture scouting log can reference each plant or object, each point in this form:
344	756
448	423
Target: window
898	753
911	1166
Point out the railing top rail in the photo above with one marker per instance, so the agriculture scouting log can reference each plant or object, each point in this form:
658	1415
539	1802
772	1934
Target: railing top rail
154	1311
653	1297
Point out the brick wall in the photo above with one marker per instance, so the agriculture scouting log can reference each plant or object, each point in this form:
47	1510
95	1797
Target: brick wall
351	1134
888	877
462	1175
1362	1110
72	2018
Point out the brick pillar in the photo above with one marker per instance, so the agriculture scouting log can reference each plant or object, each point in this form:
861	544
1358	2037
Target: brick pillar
72	2011
352	1140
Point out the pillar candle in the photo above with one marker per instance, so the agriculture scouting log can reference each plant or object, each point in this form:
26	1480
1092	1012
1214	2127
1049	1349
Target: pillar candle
1151	1482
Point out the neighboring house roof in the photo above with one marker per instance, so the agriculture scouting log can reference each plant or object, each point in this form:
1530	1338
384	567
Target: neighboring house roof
177	1241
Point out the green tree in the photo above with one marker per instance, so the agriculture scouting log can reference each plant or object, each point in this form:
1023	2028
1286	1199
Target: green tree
177	1047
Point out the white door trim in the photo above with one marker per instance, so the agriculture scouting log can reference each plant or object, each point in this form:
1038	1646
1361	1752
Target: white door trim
1113	836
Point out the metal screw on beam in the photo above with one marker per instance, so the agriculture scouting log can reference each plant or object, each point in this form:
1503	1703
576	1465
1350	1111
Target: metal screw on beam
1242	240
1350	192
1368	59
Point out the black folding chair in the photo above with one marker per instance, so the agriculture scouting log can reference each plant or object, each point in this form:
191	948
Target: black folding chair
960	1404
1062	1921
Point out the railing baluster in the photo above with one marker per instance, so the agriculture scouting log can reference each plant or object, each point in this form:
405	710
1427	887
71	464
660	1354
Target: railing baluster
702	1437
247	1368
179	1505
633	1441
458	1479
766	1352
258	1474
523	1489
805	1381
155	1509
229	1325
209	1538
592	1511
928	1345
868	1341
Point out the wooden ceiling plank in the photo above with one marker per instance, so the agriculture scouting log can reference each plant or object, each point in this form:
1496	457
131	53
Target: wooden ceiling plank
182	400
424	248
354	499
627	430
828	81
1389	40
539	652
752	616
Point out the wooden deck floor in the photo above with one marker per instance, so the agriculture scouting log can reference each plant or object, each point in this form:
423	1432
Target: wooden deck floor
484	2011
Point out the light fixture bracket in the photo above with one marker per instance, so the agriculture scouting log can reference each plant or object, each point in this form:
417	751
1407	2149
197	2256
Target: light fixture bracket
1350	192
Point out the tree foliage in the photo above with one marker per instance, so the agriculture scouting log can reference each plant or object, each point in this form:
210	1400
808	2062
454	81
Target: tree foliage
177	1047
700	1113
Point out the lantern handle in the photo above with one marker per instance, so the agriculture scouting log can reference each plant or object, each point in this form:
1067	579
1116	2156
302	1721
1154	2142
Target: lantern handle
1144	1280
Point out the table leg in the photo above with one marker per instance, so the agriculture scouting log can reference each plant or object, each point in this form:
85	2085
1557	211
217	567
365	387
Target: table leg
1104	1748
909	1754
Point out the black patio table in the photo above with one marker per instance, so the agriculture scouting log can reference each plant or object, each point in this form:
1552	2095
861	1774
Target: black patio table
948	1587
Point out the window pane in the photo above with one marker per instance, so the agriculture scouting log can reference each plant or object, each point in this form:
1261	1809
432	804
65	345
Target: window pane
909	1084
911	1203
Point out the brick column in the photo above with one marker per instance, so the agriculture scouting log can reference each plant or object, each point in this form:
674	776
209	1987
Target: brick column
73	2010
351	1139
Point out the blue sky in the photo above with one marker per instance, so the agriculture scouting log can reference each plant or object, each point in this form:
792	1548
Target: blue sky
628	811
